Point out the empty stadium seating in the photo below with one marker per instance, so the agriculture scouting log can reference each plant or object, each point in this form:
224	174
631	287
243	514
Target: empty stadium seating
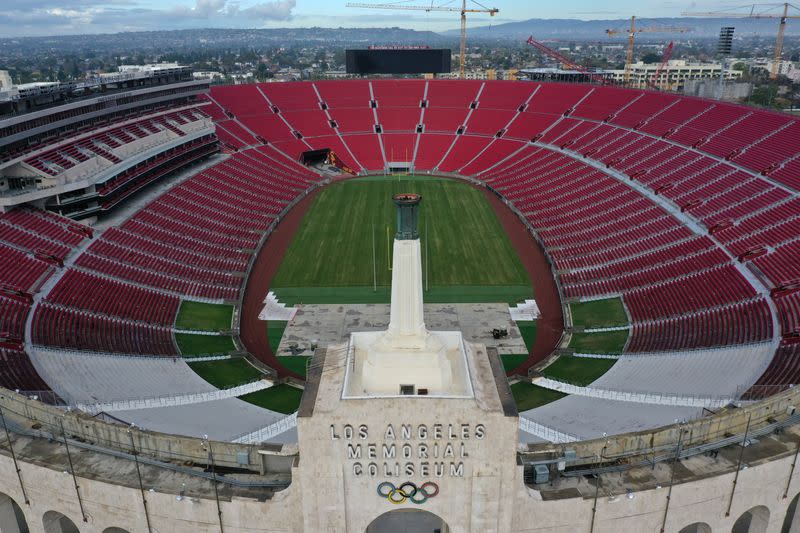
678	147
720	207
33	246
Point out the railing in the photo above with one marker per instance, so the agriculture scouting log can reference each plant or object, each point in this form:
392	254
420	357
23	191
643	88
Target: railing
268	433
172	400
655	398
545	432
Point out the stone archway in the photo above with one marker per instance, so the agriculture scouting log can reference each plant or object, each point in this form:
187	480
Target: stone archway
408	521
754	520
697	527
115	530
12	519
791	522
55	522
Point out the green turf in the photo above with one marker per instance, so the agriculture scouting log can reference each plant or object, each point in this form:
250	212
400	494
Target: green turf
510	362
578	370
527	329
610	342
599	313
295	363
275	329
226	373
333	249
204	317
197	345
527	396
281	398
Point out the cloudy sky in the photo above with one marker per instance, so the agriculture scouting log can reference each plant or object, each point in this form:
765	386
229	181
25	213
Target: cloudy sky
53	17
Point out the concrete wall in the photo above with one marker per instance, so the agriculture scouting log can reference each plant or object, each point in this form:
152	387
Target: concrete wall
702	501
20	410
728	422
109	505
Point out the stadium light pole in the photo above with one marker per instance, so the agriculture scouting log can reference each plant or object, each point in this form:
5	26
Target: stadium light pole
135	454
207	442
14	458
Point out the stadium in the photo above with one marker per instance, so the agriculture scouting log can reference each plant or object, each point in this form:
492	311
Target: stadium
182	261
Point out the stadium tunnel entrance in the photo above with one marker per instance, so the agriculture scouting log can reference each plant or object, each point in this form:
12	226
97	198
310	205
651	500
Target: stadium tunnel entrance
326	160
408	521
315	157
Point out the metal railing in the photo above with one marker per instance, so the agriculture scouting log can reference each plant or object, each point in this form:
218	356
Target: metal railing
655	398
269	432
545	432
173	399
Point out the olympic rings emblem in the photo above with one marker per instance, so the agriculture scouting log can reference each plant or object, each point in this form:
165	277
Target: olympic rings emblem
408	491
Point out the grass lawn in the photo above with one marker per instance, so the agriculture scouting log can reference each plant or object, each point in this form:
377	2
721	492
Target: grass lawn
197	345
281	398
275	329
295	363
226	373
599	313
512	361
331	257
527	329
527	396
578	370
204	317
610	342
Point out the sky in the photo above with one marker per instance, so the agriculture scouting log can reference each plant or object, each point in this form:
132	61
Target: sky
61	17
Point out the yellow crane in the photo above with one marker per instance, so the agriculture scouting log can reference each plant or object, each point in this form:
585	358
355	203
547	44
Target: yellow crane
754	13
632	39
463	10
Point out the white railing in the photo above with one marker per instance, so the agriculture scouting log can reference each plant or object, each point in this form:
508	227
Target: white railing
597	355
197	332
270	432
609	328
175	400
655	398
545	432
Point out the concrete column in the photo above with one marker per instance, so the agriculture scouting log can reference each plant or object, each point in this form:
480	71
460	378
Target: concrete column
406	323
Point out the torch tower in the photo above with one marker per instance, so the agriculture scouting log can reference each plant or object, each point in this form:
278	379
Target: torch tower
407	358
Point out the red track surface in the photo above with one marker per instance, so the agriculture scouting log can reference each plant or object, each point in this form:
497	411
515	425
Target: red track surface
551	324
253	331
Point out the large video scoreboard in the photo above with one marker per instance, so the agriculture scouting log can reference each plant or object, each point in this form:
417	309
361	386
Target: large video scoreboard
399	60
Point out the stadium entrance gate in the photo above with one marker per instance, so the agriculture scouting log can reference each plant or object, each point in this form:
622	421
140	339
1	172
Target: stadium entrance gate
406	520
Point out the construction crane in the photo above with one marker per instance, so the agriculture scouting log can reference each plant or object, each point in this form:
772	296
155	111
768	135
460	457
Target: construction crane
765	14
566	61
664	60
463	10
632	39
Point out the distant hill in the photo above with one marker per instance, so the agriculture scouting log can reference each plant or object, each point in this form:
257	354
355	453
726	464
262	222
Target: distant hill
216	38
595	29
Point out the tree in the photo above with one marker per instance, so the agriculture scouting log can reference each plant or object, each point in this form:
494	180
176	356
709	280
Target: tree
263	72
650	58
740	66
764	95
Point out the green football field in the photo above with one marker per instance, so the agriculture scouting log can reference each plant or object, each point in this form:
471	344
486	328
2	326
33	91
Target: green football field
343	247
